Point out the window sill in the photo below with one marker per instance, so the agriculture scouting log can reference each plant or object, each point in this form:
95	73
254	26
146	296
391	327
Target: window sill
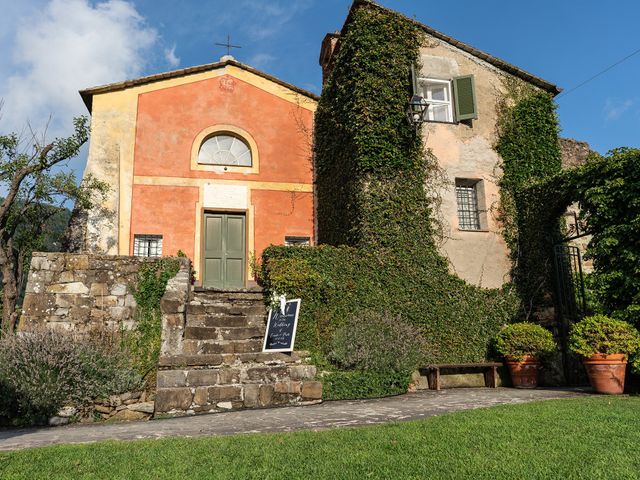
440	122
482	230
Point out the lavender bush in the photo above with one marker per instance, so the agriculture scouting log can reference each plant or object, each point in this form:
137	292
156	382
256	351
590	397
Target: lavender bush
41	372
377	342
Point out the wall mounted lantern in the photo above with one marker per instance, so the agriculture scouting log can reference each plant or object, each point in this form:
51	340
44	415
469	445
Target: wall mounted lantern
417	111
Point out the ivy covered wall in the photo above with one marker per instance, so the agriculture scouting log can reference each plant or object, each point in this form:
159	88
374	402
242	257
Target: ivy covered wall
530	152
371	174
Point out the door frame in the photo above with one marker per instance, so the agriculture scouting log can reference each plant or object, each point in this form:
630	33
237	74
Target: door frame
203	233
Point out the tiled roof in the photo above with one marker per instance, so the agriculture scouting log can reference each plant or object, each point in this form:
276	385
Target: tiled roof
497	62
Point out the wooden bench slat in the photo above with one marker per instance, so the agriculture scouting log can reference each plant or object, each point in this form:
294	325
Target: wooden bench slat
490	372
465	365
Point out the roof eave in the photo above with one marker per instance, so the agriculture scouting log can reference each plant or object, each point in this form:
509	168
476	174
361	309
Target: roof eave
495	61
88	93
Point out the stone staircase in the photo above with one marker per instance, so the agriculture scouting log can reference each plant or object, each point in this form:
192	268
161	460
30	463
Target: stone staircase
221	365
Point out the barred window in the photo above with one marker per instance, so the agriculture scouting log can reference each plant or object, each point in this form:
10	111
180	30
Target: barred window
147	245
467	198
291	241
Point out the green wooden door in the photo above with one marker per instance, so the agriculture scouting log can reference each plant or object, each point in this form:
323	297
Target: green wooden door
224	250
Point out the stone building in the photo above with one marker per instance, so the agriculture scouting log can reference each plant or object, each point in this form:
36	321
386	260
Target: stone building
213	160
463	87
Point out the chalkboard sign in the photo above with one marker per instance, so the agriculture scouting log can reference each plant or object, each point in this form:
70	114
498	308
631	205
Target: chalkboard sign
281	329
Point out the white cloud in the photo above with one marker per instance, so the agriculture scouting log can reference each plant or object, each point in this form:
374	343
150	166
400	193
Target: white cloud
614	109
261	60
65	46
170	56
268	18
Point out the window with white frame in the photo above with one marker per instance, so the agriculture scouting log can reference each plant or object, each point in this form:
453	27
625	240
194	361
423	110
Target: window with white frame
467	200
147	245
437	93
225	149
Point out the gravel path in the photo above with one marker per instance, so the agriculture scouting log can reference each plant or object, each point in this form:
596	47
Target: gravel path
412	406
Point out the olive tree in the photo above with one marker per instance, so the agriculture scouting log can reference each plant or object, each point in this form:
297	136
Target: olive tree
35	183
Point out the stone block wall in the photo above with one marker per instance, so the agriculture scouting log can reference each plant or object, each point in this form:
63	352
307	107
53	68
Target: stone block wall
81	293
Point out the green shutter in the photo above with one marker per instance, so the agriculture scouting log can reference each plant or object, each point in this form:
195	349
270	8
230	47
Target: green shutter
465	98
414	80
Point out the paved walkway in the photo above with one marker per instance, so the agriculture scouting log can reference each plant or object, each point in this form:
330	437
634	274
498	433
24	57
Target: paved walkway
411	406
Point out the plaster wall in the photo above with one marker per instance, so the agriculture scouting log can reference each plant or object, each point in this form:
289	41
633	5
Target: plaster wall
145	141
465	150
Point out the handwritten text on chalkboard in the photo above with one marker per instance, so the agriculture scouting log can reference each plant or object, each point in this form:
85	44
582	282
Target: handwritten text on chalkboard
281	329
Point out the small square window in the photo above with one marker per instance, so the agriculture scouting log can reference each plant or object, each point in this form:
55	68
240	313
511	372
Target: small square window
437	93
297	241
467	199
147	245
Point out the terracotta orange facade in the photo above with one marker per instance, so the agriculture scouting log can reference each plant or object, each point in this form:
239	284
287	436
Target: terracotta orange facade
164	189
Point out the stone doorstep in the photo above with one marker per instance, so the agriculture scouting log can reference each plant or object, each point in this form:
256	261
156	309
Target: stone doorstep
223	307
228	296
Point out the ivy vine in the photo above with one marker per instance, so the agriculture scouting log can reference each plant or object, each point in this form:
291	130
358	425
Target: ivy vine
376	218
528	145
143	341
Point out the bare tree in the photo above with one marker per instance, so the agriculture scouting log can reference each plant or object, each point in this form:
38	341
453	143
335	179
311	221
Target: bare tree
36	183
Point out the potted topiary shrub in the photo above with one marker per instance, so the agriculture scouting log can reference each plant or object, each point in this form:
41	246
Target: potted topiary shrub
605	345
523	345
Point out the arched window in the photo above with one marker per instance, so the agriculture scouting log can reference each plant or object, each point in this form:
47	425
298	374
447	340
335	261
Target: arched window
225	149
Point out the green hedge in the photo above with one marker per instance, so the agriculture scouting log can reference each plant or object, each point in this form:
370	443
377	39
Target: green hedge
356	384
458	320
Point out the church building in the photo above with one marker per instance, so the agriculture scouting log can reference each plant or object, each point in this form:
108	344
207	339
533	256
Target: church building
213	161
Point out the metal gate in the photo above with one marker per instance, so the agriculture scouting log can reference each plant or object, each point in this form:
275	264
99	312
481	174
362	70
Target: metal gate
571	303
570	282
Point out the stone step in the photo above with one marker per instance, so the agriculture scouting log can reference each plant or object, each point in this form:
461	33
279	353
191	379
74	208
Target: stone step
226	309
240	374
232	359
198	347
208	320
216	297
267	358
223	333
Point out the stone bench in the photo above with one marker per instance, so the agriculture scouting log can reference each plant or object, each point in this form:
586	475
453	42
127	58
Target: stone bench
490	370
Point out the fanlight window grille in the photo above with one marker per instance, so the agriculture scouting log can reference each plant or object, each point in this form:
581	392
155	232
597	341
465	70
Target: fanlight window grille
225	150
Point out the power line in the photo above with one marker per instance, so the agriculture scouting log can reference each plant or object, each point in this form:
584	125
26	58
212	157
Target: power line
598	74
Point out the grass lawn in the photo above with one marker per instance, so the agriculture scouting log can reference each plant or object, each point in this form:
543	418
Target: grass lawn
553	439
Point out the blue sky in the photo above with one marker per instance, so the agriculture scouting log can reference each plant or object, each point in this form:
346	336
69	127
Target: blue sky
51	48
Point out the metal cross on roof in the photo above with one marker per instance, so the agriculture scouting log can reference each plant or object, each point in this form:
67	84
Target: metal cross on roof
228	45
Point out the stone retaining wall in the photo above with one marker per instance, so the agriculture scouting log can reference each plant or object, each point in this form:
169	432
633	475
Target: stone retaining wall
81	293
116	408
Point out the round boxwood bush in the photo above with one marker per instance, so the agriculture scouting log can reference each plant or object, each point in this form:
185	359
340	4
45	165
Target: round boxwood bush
519	340
604	335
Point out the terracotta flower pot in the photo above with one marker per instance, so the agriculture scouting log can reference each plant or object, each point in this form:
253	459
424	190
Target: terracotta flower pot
524	373
606	372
